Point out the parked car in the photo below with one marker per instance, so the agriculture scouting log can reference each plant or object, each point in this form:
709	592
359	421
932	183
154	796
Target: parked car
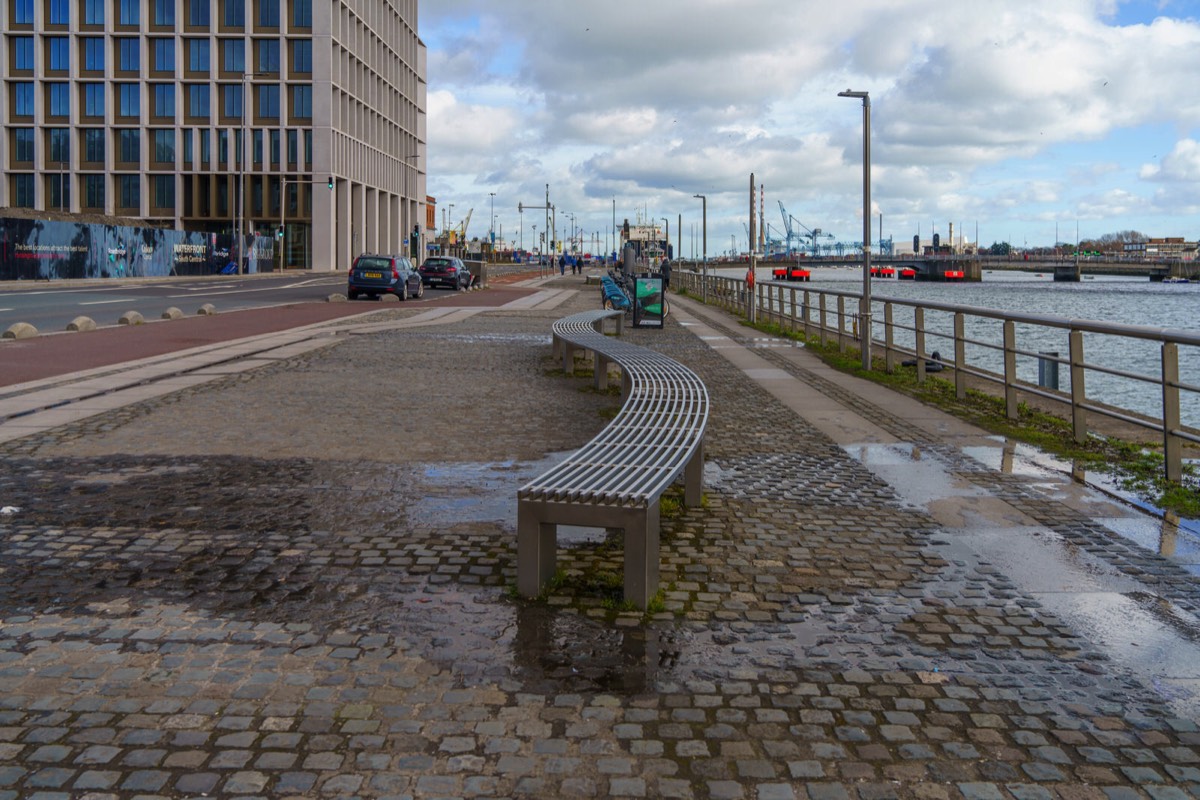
374	275
445	271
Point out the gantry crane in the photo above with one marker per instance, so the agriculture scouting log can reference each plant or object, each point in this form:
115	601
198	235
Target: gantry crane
813	234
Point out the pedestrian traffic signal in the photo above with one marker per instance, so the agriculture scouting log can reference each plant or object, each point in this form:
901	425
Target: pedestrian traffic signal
331	182
279	232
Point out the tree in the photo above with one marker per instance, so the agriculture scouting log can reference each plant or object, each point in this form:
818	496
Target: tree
1000	249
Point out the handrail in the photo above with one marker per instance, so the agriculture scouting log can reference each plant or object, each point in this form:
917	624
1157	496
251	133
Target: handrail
807	308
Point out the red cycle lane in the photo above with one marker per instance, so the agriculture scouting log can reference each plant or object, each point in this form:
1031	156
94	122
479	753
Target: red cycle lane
48	356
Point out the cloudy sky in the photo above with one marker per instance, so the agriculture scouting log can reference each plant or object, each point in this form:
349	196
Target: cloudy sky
1016	118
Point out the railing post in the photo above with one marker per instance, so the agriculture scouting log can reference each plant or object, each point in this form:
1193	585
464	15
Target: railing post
1011	407
1172	444
804	313
823	319
792	311
841	323
889	355
1078	392
960	356
919	334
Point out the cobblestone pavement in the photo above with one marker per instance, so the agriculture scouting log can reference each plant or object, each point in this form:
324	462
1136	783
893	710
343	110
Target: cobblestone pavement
295	582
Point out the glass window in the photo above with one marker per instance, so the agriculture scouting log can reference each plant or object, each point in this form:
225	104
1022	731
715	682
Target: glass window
59	187
235	14
23	53
22	191
93	191
268	13
302	55
235	55
268	55
198	104
23	144
301	13
129	100
164	191
60	13
268	101
164	54
60	145
293	146
128	54
274	139
302	101
93	99
205	146
93	54
131	145
130	12
308	148
198	55
23	12
93	145
60	100
164	100
232	100
186	136
23	98
256	149
164	13
223	146
198	13
59	53
130	190
164	146
93	12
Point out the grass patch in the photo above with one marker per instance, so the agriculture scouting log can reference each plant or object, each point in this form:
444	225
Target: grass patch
1136	468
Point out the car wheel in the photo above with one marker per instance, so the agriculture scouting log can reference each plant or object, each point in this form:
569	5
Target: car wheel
404	291
420	290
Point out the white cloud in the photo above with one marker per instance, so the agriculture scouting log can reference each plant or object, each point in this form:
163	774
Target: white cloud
654	102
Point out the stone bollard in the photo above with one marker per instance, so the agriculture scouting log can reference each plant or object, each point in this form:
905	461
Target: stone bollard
82	324
131	318
172	313
336	298
20	330
207	310
390	298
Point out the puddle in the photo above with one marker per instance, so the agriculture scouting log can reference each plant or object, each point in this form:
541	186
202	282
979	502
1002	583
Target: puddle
919	478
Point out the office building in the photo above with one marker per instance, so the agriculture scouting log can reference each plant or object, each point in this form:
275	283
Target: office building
160	110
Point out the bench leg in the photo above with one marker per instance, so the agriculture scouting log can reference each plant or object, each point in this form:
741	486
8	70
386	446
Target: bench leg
641	558
537	550
693	478
600	371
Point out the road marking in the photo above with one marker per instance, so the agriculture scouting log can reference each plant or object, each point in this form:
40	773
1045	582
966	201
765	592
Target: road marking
107	302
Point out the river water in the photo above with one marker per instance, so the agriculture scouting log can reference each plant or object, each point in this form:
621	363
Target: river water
1126	300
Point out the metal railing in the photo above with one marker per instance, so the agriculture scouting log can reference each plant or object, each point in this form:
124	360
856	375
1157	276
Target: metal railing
999	349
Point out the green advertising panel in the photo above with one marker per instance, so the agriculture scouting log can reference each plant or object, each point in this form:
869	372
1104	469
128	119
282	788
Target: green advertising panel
648	302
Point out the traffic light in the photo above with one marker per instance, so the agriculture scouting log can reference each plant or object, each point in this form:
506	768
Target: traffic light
279	232
331	182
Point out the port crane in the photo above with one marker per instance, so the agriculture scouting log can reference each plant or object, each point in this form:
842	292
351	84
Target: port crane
812	236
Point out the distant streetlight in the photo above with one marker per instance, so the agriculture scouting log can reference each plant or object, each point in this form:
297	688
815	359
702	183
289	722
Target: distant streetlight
864	309
666	236
247	107
492	227
703	247
414	247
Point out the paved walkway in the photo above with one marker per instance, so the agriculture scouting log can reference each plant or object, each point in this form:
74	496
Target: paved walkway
281	567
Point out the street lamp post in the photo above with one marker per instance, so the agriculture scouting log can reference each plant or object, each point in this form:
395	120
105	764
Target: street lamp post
666	236
492	229
703	247
407	223
864	309
243	264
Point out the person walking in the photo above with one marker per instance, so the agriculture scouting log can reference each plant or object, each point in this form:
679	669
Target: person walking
562	266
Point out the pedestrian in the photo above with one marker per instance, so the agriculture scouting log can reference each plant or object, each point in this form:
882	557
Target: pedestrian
562	266
665	270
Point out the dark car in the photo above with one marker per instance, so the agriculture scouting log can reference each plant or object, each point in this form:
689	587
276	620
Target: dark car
375	275
445	271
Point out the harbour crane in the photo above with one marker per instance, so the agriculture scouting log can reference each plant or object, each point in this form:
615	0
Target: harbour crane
812	236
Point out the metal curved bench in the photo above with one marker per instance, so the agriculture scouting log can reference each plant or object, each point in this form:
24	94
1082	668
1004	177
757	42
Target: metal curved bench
616	480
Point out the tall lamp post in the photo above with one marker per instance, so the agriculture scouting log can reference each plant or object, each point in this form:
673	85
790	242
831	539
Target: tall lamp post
703	247
864	309
247	107
666	236
492	228
414	248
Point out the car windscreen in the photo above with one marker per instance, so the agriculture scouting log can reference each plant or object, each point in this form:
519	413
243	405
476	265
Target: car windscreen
438	262
374	263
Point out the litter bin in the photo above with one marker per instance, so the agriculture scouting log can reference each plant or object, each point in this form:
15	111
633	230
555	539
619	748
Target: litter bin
1048	370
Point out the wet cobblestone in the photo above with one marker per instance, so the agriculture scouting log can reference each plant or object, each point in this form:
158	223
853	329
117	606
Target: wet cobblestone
294	583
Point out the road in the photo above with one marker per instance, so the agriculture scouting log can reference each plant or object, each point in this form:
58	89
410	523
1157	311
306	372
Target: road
51	307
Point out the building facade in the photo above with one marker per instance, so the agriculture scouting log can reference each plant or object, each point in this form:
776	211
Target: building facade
270	116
